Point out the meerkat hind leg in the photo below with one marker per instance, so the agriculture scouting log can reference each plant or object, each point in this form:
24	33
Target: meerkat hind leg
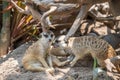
101	63
77	57
57	62
34	66
44	63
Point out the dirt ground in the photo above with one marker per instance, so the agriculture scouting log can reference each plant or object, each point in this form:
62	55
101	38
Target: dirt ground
11	69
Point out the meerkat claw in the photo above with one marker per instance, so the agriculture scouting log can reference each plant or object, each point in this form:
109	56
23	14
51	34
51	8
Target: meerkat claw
51	71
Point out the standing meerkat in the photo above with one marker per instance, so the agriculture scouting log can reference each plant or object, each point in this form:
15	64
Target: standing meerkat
35	56
81	46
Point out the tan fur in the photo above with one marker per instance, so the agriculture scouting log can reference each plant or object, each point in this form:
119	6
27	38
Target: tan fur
81	46
40	56
36	55
56	52
59	52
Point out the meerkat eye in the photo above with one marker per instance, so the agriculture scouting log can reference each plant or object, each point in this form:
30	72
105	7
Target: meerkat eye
57	41
45	35
52	35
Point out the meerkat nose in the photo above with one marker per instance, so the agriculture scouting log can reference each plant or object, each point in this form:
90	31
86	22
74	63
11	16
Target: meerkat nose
50	40
52	43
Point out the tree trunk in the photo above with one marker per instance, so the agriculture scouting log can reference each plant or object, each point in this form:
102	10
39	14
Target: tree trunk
5	31
0	16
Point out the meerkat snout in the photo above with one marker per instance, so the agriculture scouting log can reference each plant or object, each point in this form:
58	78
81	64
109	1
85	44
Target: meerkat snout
50	40
59	41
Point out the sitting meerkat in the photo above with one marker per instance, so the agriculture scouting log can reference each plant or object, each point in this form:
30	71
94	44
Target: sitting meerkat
40	55
81	46
35	58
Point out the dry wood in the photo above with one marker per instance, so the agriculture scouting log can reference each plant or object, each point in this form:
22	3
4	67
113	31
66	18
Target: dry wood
114	6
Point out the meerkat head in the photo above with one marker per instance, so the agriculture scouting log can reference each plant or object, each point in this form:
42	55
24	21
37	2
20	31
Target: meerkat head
59	42
47	36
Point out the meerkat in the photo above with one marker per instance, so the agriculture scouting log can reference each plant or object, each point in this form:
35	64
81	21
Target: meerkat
81	46
56	52
41	56
35	56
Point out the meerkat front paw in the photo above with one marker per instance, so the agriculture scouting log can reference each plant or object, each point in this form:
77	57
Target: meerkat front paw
50	70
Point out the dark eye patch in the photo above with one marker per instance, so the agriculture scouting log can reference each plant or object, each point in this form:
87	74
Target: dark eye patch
51	35
57	41
45	35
